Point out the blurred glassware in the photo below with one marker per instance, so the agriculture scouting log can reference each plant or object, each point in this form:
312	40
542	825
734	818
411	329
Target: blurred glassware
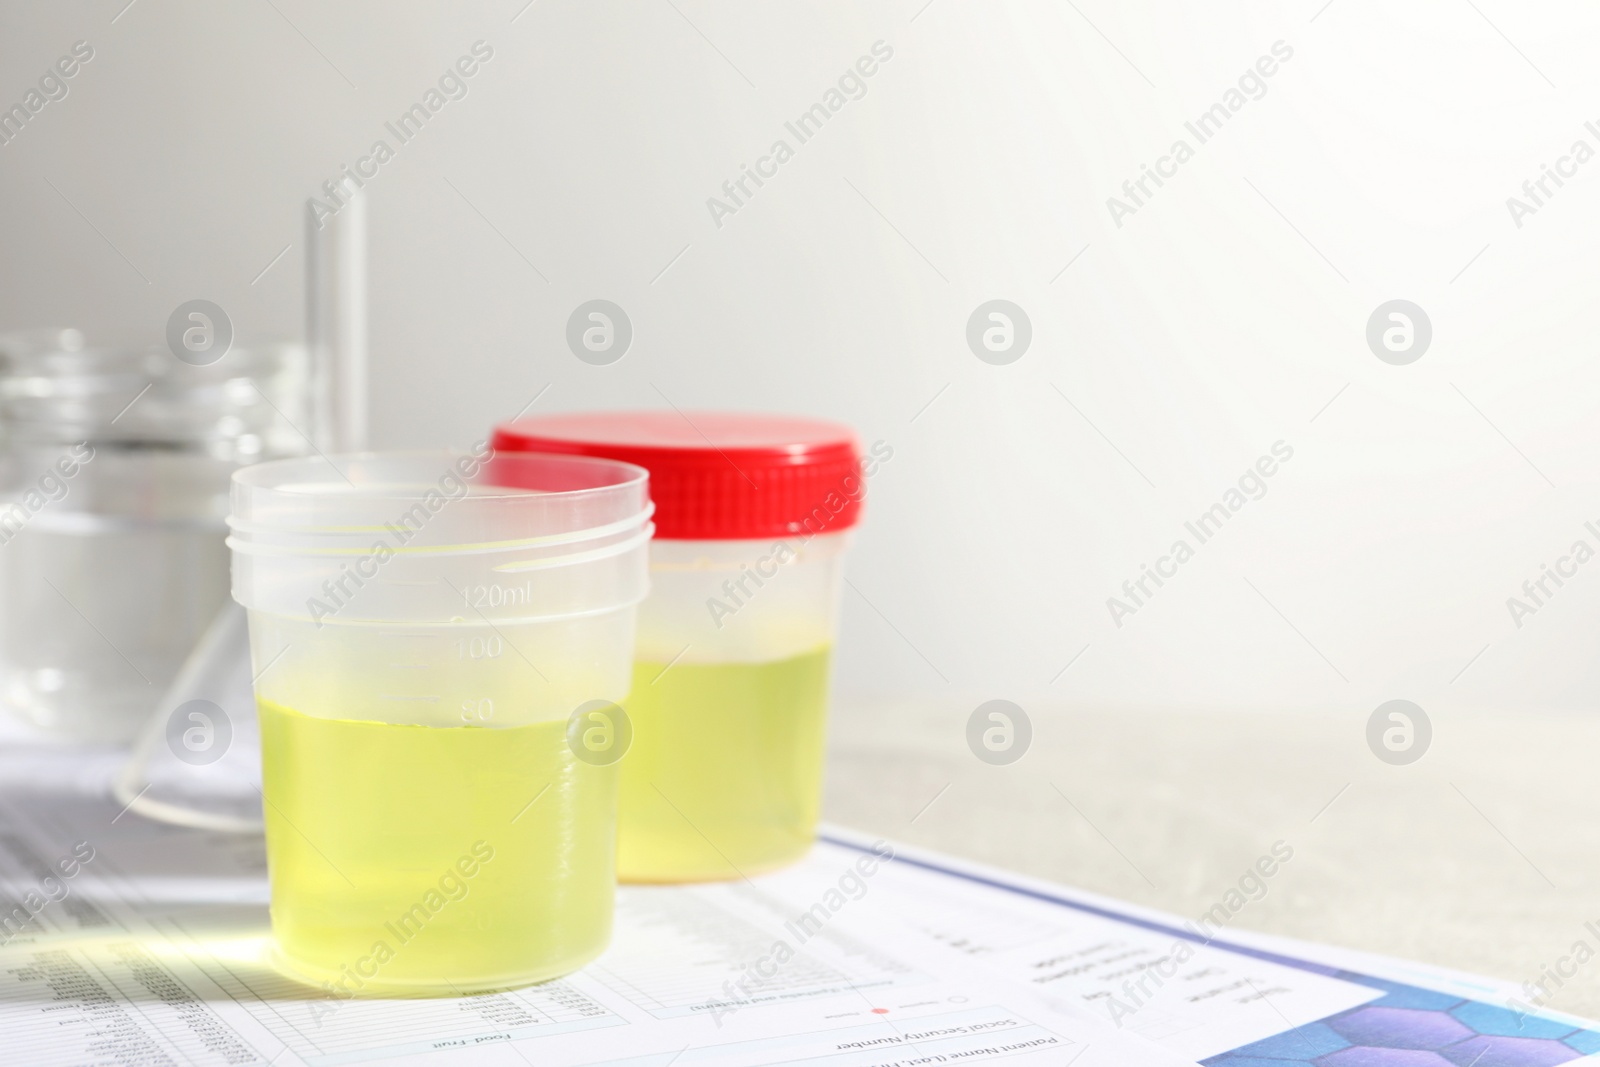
198	761
114	468
182	770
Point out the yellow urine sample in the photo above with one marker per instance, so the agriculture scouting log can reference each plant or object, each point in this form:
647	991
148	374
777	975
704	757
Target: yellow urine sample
724	776
433	859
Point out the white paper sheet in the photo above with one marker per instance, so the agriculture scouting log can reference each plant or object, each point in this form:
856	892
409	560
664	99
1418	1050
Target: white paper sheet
158	954
1235	999
1195	999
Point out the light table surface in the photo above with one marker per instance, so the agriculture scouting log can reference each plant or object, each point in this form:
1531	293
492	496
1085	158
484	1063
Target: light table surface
1481	856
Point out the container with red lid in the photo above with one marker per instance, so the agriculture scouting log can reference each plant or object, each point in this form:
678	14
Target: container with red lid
730	683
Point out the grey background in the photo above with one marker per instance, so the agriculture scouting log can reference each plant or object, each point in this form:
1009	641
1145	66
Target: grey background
1167	355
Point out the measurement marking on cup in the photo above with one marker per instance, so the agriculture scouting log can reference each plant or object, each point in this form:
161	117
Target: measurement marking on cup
497	595
408	666
390	696
466	597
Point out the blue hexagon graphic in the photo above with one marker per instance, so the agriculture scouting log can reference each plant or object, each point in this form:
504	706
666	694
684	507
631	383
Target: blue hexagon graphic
1300	1044
1230	1059
1488	1051
1413	1027
1367	1056
1399	1028
1503	1022
1585	1041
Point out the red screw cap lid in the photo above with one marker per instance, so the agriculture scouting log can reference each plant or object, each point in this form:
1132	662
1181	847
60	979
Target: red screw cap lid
717	476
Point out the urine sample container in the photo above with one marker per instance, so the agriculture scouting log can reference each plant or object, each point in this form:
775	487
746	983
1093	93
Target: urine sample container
730	679
422	629
114	468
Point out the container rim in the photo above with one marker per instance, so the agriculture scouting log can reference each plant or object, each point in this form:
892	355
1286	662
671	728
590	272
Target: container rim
320	476
621	536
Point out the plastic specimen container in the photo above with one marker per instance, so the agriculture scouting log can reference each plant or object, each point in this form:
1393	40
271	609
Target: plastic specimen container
730	681
422	629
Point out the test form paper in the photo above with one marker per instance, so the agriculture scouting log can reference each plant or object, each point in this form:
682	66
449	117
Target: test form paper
1237	1000
158	955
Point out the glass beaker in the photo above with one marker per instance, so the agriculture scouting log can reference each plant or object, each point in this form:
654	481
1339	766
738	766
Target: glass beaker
729	702
424	631
114	467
